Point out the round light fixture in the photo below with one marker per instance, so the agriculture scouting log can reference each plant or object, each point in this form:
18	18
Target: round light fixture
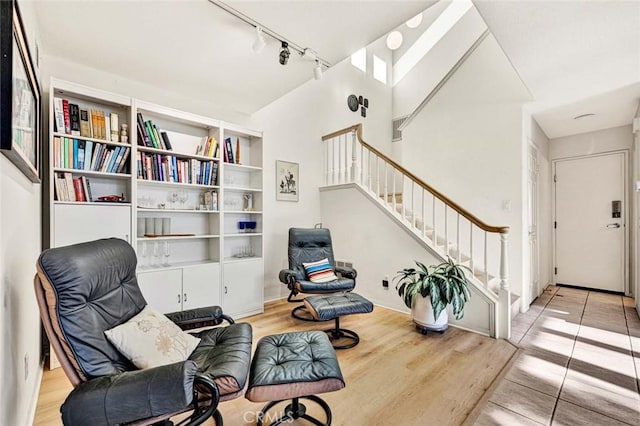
581	116
394	40
415	21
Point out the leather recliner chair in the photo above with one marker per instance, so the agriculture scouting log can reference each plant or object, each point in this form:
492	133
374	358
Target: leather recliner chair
85	289
310	245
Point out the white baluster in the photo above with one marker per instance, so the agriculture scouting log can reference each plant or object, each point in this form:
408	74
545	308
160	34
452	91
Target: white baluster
333	161
486	261
505	291
361	164
471	246
424	216
377	176
342	157
354	157
458	237
446	231
327	171
413	204
386	185
369	169
434	236
404	201
393	202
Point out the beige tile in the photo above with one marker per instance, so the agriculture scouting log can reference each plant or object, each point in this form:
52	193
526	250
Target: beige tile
547	342
598	395
493	414
530	403
559	325
532	370
604	338
568	414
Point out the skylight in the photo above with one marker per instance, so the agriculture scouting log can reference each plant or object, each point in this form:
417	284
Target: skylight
359	59
447	19
379	69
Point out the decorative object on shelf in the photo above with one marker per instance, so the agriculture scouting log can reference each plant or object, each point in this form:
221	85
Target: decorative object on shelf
143	254
167	252
427	293
172	197
166	225
248	205
142	227
124	135
20	95
287	181
183	197
210	200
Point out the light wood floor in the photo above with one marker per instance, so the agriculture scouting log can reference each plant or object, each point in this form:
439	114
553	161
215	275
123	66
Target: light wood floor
394	376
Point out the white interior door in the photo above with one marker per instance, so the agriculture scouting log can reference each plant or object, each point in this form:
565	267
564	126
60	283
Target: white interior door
532	224
590	235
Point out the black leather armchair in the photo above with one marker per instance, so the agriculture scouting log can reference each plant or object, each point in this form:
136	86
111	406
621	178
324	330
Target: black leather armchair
85	289
310	245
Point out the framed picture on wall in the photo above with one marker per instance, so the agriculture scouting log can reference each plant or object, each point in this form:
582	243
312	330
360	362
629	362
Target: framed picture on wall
287	181
19	95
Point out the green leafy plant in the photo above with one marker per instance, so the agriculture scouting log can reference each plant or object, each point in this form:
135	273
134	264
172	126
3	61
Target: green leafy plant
446	283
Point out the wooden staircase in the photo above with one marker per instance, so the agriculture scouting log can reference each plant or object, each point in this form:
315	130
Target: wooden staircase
441	225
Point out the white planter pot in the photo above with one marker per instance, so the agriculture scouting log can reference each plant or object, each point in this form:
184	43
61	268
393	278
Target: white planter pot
423	315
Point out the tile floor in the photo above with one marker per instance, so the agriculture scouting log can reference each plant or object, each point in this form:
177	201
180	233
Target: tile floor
578	365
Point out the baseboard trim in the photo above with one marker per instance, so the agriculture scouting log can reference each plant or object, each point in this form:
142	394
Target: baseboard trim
36	395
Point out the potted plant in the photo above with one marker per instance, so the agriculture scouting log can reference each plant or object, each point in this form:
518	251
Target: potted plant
427	291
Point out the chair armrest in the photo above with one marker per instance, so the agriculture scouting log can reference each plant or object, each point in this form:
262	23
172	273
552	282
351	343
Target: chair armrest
199	317
132	395
347	272
289	277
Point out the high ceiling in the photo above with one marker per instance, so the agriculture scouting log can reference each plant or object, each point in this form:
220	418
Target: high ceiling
574	56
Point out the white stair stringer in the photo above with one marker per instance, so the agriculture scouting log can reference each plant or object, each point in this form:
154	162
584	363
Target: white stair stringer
487	294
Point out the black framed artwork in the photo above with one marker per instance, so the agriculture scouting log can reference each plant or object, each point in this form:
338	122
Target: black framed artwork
19	95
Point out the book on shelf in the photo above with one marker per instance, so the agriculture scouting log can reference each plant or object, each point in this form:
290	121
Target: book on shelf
78	154
107	128
87	188
79	190
85	124
229	158
237	156
74	119
143	134
67	118
88	155
114	125
165	139
168	168
71	193
68	188
59	115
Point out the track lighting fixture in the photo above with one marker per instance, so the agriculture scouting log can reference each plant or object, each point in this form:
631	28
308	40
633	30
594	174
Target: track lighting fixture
284	53
317	71
259	42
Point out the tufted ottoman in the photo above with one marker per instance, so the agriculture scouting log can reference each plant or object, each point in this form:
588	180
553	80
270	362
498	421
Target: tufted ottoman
333	306
293	366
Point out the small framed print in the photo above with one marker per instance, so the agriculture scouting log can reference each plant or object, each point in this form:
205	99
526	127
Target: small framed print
287	181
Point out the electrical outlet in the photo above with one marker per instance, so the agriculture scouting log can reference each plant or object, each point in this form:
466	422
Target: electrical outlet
26	366
385	283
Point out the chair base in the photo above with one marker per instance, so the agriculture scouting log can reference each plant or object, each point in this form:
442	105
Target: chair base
338	333
295	410
302	313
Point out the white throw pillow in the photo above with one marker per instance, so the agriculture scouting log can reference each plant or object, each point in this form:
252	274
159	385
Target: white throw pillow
150	339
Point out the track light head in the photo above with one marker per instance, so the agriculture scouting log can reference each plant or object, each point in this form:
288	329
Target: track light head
284	53
259	42
317	71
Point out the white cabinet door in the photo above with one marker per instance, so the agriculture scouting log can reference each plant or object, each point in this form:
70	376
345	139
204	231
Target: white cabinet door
162	289
76	223
200	286
243	285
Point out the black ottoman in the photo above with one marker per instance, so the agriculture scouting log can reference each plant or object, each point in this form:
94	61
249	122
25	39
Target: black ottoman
294	366
333	306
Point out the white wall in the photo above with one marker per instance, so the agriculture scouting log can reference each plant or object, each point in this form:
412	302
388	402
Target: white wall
597	142
20	214
379	248
467	143
535	136
293	126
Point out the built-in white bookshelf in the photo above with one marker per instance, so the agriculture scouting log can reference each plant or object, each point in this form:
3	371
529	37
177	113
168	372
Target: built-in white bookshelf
192	252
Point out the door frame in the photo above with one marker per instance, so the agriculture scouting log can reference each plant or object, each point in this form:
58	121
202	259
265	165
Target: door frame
625	203
528	296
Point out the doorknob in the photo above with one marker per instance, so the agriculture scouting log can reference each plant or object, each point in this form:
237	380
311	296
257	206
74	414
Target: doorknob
613	225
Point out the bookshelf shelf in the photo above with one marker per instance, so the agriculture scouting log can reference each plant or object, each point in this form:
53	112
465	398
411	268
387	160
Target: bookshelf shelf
144	209
90	203
242	189
242	212
242	167
176	154
92	173
176	184
84	138
175	265
182	237
246	234
241	259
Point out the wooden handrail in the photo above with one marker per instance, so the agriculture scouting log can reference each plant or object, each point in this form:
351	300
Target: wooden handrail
480	224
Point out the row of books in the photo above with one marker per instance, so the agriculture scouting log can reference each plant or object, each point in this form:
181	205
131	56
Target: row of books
69	188
167	168
150	135
208	147
231	155
78	154
74	120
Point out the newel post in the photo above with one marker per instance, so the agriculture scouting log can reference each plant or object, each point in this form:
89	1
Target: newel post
354	157
504	320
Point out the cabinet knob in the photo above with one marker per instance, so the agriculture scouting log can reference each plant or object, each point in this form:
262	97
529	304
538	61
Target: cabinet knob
184	297
178	298
225	289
